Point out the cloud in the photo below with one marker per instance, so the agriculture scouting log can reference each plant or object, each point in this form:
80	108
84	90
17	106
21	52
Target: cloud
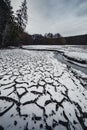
67	17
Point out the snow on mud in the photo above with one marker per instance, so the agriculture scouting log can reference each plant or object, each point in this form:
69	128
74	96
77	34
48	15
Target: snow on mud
74	53
79	56
39	92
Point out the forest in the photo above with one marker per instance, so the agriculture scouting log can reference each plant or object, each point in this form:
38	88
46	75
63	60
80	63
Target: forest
12	29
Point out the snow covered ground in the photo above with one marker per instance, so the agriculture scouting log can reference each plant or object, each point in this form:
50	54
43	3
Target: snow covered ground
38	92
78	53
77	56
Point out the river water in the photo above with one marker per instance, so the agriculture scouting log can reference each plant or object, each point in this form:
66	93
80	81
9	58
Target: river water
59	55
77	66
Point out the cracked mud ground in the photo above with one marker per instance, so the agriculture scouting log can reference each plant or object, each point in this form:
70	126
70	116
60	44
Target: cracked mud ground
39	93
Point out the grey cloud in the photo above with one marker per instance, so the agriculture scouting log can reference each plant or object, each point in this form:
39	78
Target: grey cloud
63	16
58	8
82	9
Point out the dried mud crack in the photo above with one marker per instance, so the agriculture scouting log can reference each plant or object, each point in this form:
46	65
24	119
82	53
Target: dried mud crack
37	92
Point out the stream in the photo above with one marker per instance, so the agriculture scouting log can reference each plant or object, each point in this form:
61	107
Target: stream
59	56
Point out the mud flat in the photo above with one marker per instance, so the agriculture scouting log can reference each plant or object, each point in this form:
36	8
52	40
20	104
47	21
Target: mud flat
38	92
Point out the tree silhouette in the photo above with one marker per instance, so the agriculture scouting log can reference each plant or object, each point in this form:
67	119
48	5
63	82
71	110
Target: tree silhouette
22	17
12	27
9	11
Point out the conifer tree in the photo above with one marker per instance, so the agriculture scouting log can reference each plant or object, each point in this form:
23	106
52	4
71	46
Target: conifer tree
9	11
22	18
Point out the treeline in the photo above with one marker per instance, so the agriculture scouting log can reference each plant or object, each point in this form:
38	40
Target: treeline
12	29
12	26
50	39
76	40
46	41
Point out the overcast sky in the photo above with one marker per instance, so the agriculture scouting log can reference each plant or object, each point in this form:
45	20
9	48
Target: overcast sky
67	17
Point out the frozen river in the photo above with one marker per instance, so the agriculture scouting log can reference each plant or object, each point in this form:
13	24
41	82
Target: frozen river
40	92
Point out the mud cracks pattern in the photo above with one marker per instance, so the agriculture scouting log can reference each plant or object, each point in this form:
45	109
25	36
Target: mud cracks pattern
38	92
